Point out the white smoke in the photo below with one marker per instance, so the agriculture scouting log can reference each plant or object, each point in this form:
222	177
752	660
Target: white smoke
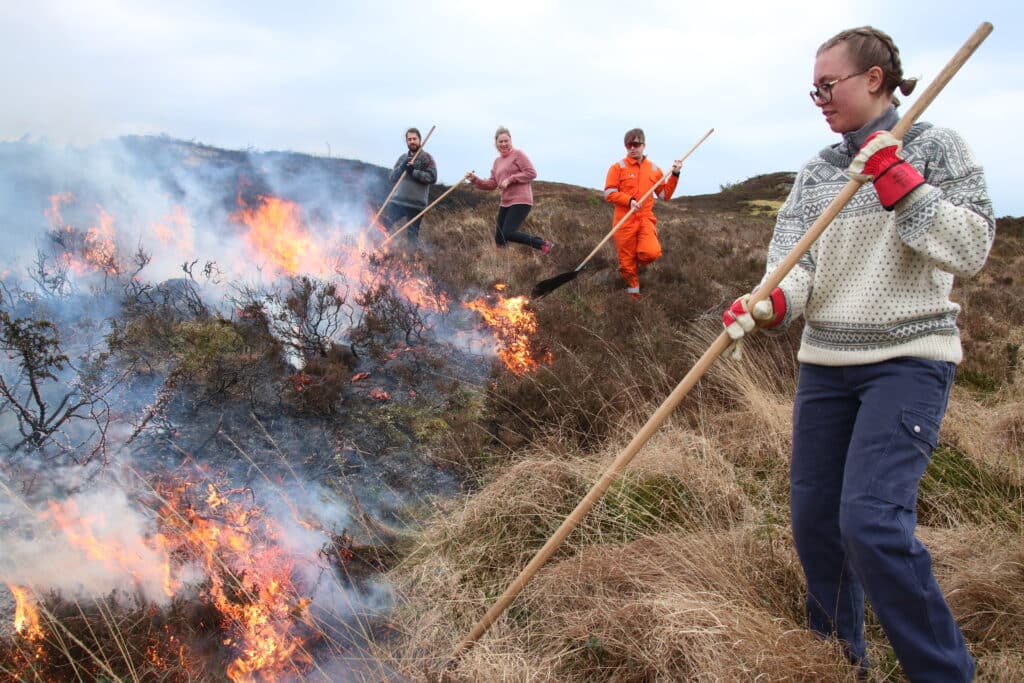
40	554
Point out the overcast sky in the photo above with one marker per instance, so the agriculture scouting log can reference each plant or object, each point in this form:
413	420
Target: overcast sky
347	78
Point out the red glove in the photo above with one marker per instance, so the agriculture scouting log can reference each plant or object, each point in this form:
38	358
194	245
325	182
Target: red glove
767	313
879	161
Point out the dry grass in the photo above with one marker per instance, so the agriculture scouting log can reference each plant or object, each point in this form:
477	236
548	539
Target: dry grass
989	431
680	607
982	572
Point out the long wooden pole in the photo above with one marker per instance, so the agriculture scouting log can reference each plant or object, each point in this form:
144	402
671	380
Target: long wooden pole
714	351
401	178
642	199
428	208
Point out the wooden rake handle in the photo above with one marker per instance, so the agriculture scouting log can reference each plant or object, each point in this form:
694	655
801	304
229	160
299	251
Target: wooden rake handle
401	178
428	208
710	356
622	221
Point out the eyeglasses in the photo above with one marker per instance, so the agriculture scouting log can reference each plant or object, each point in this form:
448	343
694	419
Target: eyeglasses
634	145
822	92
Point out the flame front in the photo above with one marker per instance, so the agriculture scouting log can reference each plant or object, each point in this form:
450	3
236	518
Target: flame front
278	235
114	551
247	574
250	577
513	325
175	230
26	617
93	251
100	248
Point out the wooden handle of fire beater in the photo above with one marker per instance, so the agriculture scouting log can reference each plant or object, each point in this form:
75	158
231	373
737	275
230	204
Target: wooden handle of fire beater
704	363
643	199
428	208
401	178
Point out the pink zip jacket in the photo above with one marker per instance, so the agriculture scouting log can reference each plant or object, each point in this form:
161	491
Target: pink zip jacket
517	168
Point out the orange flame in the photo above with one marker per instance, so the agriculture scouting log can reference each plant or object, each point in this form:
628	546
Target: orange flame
91	534
418	291
278	235
250	578
26	617
100	248
249	575
53	214
175	230
512	323
96	250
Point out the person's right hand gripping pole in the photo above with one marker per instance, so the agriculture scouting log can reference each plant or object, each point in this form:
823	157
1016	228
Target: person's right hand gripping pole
739	319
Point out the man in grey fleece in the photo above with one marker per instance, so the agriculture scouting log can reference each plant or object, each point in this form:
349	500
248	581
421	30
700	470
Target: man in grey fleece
411	196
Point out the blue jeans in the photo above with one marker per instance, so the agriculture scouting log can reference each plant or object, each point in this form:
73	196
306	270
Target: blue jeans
862	439
397	215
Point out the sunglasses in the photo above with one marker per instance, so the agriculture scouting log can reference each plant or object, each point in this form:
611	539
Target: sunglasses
634	145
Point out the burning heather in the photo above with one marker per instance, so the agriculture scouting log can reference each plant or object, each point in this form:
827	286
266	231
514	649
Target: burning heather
278	236
514	327
186	349
84	251
192	544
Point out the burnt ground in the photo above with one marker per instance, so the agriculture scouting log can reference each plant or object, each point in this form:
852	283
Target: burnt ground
375	449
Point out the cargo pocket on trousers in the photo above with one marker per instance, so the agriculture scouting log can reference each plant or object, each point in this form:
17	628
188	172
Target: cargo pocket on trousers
905	460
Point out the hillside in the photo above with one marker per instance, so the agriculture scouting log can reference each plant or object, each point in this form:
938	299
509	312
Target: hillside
324	467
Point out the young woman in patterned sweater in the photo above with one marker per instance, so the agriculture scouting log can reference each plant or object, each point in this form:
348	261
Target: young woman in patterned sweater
879	351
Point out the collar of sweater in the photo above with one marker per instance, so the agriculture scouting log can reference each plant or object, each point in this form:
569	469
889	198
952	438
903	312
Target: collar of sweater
842	153
854	140
506	154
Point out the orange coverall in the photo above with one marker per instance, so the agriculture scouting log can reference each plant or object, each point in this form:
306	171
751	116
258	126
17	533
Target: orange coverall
637	240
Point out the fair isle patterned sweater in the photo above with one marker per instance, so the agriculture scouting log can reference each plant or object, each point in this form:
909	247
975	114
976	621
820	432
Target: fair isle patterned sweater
876	284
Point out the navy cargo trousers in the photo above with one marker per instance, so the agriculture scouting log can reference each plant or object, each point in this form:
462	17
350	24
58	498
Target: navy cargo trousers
862	439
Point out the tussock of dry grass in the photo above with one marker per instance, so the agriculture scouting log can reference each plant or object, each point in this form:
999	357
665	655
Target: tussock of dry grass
1000	667
676	481
990	433
681	607
665	607
982	574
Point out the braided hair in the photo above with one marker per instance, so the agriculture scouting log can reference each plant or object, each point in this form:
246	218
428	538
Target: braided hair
871	47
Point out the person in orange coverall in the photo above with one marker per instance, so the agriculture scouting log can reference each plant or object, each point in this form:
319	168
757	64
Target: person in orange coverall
627	181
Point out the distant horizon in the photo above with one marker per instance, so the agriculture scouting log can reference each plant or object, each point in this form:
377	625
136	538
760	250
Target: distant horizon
721	188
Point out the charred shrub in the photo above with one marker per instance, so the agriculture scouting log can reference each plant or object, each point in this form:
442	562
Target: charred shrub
317	387
59	408
387	318
320	315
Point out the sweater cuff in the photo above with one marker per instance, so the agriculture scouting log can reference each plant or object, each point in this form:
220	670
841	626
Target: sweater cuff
916	211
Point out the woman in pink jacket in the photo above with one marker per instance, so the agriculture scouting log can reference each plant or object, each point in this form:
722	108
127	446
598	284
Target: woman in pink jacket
512	173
